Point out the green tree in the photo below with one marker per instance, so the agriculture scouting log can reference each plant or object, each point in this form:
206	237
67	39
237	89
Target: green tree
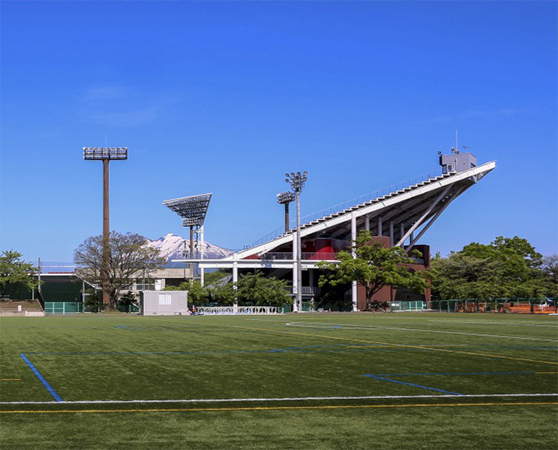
214	291
216	277
374	267
550	271
197	295
93	301
15	274
254	289
332	292
507	267
130	257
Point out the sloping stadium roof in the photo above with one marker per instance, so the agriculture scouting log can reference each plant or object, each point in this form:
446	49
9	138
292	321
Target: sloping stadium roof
405	212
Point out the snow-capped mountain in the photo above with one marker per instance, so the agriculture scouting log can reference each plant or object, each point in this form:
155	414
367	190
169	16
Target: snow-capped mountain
172	247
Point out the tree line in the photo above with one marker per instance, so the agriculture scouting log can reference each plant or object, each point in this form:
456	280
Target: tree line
505	268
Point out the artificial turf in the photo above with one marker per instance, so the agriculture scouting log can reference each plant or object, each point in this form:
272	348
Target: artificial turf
330	381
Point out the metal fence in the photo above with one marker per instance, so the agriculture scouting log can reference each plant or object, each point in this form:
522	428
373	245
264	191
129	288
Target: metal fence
63	307
409	306
497	305
239	310
79	307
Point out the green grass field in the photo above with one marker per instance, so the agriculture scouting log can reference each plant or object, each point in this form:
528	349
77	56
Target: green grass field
306	381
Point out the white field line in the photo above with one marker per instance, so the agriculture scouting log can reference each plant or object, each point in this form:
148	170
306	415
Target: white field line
466	322
370	327
280	399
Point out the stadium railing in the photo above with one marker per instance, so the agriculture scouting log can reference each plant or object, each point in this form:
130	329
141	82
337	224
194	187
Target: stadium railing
238	310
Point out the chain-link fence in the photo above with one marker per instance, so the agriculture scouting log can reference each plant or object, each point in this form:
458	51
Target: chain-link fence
497	305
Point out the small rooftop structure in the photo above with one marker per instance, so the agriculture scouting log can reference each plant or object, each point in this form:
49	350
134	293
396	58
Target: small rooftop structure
457	161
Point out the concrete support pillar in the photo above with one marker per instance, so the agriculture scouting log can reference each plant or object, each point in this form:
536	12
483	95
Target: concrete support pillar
367	223
380	226
235	278
354	290
391	239
202	252
295	274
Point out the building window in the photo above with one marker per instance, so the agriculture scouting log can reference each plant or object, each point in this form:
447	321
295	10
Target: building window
145	285
165	299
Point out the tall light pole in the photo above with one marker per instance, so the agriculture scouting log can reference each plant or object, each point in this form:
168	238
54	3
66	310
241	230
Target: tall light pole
105	154
297	180
284	198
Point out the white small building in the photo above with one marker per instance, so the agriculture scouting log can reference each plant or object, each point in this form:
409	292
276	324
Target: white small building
164	303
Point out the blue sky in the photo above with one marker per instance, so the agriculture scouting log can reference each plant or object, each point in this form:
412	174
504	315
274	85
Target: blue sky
225	97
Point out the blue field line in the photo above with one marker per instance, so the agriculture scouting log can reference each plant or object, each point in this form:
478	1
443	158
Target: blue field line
411	384
46	384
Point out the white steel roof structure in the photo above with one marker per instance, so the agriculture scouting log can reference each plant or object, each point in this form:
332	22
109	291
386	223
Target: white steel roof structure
411	210
403	215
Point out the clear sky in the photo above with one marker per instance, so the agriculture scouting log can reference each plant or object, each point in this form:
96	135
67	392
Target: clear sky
225	97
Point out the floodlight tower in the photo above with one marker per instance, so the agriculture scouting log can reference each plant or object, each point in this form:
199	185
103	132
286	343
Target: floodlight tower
297	181
105	154
193	210
284	198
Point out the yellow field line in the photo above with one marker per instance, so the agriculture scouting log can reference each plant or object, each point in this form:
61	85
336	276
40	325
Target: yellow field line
384	343
10	379
270	408
396	345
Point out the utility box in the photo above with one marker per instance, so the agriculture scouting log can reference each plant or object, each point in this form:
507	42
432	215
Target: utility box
457	161
164	303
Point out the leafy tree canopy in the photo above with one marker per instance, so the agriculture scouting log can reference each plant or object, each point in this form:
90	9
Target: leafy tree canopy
252	289
15	273
130	258
550	268
197	295
374	267
507	267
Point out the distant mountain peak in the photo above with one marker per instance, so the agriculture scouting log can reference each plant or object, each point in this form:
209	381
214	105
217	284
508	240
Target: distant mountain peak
172	246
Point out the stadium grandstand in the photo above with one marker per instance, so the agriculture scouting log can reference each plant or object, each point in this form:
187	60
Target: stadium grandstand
399	217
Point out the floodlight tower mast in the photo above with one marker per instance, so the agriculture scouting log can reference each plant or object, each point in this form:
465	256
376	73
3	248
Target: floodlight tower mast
105	154
297	181
193	211
284	198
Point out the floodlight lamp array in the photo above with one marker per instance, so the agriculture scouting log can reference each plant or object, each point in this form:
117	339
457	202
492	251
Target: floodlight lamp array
101	153
192	209
285	198
296	180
